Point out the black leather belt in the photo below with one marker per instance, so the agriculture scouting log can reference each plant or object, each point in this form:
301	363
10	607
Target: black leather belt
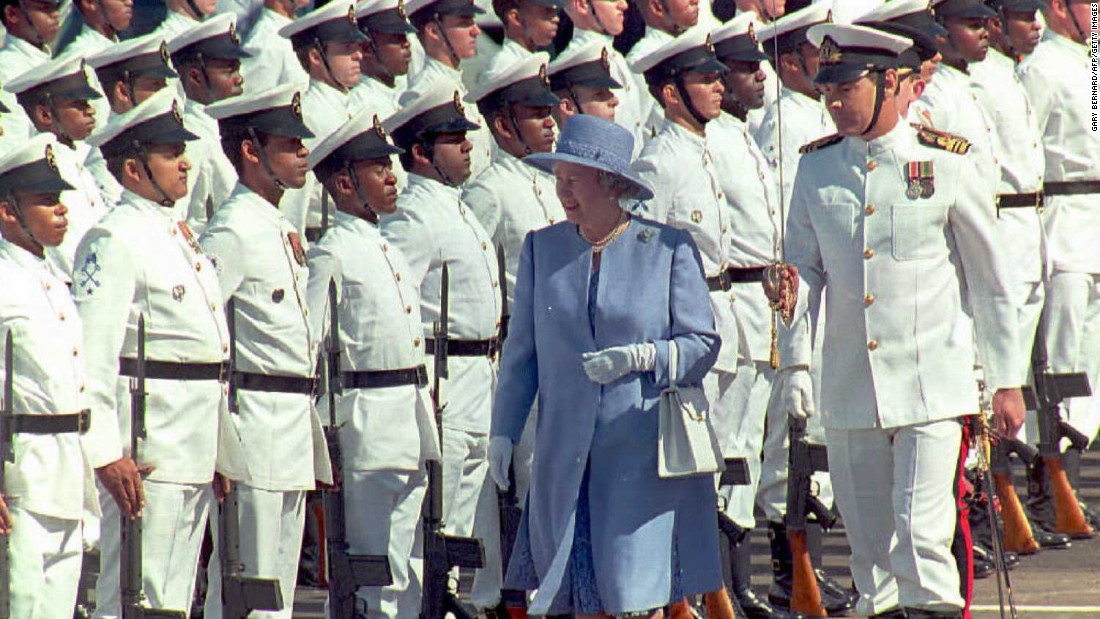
378	379
69	423
735	275
314	234
1071	188
175	370
1019	200
467	348
273	383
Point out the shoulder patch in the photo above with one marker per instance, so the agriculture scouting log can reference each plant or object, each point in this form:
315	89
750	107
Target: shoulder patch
820	143
942	140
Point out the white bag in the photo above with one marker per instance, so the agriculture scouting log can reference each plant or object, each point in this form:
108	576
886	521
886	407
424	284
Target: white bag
686	444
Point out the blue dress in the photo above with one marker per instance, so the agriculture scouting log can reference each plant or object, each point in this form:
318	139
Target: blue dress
602	532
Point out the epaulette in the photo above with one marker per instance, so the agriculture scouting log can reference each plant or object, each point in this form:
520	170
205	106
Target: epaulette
942	140
820	143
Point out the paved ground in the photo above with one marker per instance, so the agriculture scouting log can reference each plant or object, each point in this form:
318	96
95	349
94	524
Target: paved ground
1050	585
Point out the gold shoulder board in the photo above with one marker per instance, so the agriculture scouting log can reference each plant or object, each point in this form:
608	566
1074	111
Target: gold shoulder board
941	140
820	143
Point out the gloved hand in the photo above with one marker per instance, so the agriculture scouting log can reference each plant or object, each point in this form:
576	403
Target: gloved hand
500	459
611	364
797	394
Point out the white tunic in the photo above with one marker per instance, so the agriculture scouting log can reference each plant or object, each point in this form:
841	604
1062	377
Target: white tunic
86	206
803	120
212	176
273	61
434	72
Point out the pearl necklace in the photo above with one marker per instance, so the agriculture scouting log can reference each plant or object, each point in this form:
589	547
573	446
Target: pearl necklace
598	246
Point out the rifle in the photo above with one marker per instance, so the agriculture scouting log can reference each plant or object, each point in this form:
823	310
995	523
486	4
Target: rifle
241	594
1046	398
1004	581
131	590
442	552
805	458
231	327
505	311
346	572
7	454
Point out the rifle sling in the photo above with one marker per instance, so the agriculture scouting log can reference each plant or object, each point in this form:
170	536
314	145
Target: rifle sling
175	370
68	423
378	379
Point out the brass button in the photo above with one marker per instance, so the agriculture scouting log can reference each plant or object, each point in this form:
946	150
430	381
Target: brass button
720	195
385	247
213	307
225	347
82	388
408	309
198	266
496	284
397	276
484	246
871	165
552	221
868	253
868	299
61	317
462	211
416	343
870	210
872	345
76	352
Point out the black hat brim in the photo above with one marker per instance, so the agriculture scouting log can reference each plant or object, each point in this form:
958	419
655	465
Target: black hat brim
35	177
841	73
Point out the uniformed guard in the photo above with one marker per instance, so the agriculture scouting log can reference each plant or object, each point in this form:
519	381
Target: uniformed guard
1016	29
1055	76
664	21
798	107
600	21
56	98
581	79
433	227
763	13
261	264
273	61
448	35
511	199
31	27
44	480
128	73
529	26
140	262
328	43
891	400
100	23
208	58
182	15
387	428
385	62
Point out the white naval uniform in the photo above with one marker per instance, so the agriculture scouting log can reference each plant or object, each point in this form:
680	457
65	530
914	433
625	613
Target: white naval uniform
87	42
174	23
212	176
898	348
650	42
250	242
949	103
371	94
273	61
1056	78
85	203
386	434
804	120
42	487
435	72
511	199
324	108
1019	148
635	103
433	227
688	194
109	187
139	260
510	53
17	56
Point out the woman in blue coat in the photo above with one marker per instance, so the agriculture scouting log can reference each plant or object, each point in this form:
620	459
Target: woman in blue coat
597	301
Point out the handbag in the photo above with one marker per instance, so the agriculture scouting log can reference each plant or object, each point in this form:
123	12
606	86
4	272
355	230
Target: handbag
686	443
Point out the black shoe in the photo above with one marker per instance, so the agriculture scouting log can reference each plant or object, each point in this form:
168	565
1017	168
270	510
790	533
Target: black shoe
779	593
1049	540
920	613
893	613
836	590
983	568
756	607
1091	515
1011	559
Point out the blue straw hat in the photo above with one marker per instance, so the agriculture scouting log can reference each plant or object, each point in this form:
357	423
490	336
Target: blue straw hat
596	143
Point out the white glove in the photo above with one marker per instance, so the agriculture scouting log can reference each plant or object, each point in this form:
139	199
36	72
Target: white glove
500	459
611	364
797	395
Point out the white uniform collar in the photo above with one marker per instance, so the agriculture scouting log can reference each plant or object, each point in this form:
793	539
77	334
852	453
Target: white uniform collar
22	257
130	199
581	36
26	48
257	203
415	180
902	133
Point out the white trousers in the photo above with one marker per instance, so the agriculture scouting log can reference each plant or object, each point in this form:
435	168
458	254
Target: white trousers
895	489
271	524
172	527
46	557
738	403
470	507
382	511
1029	300
1072	318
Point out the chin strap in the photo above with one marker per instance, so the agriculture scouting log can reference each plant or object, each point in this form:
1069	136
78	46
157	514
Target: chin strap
58	126
527	150
23	222
41	42
447	40
682	89
445	178
880	94
320	47
199	15
263	160
378	56
1077	25
143	157
371	216
596	16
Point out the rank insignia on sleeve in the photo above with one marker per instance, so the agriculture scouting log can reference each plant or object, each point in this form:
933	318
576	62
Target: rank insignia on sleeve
920	180
942	140
88	272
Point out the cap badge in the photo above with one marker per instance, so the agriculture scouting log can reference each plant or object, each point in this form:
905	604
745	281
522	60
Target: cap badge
458	104
829	17
605	60
50	159
233	33
296	105
401	9
351	14
164	55
829	51
176	111
752	34
378	130
707	44
542	76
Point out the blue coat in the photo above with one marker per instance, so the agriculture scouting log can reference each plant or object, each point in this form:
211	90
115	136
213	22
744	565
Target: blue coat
653	539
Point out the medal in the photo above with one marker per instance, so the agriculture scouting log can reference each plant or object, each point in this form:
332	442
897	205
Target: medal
296	248
920	180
